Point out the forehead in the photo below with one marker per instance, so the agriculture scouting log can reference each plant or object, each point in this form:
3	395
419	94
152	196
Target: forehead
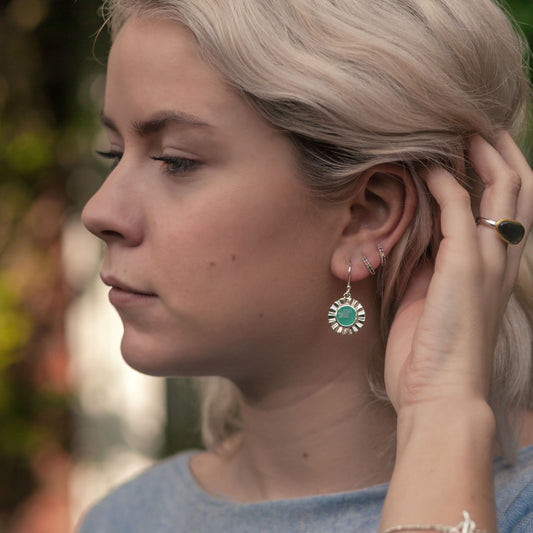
156	70
166	37
156	64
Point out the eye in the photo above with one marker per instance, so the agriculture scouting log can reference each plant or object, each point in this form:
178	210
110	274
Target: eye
112	155
176	165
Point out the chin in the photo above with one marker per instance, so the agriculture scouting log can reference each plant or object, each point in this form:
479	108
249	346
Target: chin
149	361
156	359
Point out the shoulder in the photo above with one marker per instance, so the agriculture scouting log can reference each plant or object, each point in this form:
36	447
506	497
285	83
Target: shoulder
514	493
146	503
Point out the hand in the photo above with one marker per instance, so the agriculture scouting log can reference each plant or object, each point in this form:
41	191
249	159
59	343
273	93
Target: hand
442	338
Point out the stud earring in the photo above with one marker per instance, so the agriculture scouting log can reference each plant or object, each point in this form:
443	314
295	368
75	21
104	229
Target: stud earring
346	315
368	265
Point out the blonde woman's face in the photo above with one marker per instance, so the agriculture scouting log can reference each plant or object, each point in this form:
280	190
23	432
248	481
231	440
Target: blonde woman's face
216	255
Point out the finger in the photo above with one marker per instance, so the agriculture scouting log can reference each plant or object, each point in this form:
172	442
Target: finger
500	197
457	220
499	200
516	160
458	227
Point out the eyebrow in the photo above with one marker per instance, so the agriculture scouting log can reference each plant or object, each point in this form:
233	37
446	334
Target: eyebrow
158	122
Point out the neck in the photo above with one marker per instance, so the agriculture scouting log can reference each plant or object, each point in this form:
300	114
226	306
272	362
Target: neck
334	440
325	435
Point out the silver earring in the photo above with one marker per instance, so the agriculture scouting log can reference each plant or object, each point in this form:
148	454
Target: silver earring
382	255
346	315
368	265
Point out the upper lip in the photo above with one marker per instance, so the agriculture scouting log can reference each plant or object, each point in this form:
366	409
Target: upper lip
118	284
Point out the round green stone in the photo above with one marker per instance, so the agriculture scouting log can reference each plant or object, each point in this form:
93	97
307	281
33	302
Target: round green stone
346	316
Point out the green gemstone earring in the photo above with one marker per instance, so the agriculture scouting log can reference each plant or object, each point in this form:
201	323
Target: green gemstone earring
346	315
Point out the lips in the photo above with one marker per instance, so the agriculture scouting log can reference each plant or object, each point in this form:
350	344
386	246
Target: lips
122	294
123	287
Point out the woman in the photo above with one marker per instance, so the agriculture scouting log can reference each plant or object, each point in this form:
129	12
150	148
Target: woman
275	162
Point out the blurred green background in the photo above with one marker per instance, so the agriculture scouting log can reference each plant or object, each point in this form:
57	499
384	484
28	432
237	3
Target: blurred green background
51	79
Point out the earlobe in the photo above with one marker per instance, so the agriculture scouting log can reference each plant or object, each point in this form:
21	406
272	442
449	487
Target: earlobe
378	213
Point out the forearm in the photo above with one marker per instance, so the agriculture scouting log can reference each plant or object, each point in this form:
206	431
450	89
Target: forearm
443	466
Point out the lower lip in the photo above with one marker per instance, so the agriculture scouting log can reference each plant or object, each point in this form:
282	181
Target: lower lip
121	298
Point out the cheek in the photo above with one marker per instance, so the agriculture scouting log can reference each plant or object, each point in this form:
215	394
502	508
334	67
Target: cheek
236	255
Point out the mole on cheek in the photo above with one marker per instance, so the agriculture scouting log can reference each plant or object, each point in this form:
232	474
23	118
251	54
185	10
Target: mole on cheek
233	257
212	264
261	315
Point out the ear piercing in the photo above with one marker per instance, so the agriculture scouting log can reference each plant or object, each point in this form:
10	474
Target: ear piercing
382	257
346	315
368	265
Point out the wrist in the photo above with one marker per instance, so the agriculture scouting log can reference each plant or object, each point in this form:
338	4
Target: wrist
443	464
466	422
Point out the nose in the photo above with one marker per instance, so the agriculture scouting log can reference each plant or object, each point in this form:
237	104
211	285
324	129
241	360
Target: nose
114	213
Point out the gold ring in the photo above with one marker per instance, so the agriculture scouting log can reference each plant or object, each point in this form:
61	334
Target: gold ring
509	230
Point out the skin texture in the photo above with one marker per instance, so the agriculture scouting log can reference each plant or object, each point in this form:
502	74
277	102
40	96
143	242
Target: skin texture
481	261
220	244
243	265
440	347
223	246
237	266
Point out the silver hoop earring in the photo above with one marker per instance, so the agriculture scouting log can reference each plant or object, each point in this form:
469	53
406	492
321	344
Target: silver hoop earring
346	315
382	255
368	265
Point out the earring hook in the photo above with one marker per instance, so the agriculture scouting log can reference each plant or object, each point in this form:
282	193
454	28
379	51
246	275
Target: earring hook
348	286
346	315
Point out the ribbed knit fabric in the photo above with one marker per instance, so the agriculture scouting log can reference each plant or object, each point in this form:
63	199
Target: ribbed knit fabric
167	499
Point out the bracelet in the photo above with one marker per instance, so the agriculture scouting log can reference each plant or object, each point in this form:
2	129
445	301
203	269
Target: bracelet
466	526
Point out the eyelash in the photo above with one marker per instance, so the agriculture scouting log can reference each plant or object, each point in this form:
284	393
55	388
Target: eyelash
112	155
174	165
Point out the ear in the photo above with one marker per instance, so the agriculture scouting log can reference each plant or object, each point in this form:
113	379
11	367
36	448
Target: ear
377	213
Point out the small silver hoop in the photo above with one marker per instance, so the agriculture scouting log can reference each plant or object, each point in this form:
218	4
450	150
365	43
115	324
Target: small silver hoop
368	265
382	255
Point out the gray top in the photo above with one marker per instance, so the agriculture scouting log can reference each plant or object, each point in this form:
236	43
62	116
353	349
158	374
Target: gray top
167	499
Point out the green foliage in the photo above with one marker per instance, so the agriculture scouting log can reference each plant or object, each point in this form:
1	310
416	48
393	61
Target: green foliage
29	152
46	71
522	11
15	329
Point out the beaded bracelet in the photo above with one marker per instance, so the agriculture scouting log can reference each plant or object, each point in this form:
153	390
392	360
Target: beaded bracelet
466	526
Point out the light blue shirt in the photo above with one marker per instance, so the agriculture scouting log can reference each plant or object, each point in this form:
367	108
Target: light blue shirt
167	499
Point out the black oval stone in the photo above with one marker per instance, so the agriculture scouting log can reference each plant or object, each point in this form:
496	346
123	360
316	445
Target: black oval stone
510	231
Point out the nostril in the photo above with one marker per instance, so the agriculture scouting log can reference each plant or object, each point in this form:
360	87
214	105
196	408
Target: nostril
110	234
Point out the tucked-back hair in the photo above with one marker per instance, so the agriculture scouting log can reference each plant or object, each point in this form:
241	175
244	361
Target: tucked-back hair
355	83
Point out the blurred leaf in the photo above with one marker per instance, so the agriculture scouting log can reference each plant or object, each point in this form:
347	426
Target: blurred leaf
29	152
15	327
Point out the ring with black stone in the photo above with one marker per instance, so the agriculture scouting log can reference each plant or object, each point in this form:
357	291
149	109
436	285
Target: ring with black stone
509	230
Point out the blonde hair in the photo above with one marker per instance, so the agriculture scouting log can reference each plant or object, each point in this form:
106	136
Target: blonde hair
355	83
